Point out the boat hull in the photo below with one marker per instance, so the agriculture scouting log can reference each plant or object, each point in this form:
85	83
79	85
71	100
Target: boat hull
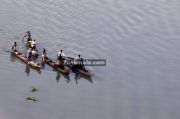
65	70
79	69
24	59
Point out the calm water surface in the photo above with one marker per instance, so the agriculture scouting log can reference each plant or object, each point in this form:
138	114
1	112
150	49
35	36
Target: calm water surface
138	38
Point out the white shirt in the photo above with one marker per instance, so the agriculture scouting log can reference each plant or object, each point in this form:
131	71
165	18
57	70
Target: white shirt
33	42
78	58
62	54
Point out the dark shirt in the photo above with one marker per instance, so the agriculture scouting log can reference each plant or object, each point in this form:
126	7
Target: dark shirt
29	53
29	35
44	52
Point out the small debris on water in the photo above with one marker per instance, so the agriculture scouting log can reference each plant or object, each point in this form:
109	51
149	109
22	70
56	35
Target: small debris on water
31	98
33	89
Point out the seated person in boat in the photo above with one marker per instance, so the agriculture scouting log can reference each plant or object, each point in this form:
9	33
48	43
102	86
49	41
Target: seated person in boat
79	60
29	54
60	58
15	47
61	55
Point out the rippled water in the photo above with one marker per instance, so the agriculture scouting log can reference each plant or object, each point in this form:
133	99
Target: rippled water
138	38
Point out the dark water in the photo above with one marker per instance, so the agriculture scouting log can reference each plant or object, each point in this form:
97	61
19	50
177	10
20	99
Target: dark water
138	38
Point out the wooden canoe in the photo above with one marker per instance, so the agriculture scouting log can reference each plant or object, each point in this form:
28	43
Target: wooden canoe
79	76
22	57
63	69
86	73
82	71
78	69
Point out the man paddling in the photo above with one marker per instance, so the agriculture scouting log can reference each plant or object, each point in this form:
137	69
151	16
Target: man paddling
28	35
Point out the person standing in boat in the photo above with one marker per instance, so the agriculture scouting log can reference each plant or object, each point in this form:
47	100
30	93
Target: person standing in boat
15	47
61	55
34	54
29	54
44	54
28	35
33	44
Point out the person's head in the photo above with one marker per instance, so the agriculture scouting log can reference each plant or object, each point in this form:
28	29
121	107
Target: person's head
44	49
15	44
61	50
79	55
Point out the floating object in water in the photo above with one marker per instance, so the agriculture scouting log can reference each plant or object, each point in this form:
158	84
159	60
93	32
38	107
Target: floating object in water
31	98
34	89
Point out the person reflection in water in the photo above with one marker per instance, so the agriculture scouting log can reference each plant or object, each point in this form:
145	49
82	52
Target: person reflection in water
27	70
58	76
76	78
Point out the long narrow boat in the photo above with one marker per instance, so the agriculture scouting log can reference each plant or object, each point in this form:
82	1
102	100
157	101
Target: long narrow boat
85	73
59	74
23	57
79	76
81	70
52	63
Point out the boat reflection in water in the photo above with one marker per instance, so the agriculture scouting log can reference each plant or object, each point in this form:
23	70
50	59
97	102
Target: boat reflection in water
12	57
27	67
76	77
79	76
27	70
59	75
